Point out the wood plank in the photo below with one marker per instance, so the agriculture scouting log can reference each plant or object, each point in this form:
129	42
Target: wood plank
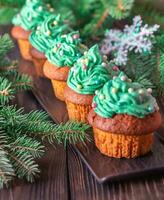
84	186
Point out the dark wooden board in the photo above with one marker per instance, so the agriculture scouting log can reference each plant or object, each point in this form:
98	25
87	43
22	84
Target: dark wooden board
102	167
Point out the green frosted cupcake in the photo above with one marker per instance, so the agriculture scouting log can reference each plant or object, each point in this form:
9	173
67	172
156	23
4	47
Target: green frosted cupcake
124	117
88	75
60	58
43	38
30	16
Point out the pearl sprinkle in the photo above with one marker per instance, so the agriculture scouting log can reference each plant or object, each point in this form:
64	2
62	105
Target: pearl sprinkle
141	91
102	97
123	78
79	87
130	90
114	90
149	90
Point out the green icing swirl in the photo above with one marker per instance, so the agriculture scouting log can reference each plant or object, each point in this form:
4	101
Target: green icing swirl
121	96
43	38
66	50
89	72
32	14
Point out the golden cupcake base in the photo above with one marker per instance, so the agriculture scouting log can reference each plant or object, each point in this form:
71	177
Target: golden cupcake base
78	112
58	87
119	145
24	47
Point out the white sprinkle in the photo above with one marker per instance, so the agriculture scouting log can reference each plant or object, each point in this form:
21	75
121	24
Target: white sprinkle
149	90
123	78
130	90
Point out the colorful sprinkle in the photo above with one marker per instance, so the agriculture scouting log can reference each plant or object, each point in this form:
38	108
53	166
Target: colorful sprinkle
55	23
58	45
48	33
85	61
115	68
141	91
38	28
114	77
102	97
40	8
48	5
104	64
96	92
76	36
29	19
114	90
84	67
123	78
51	9
150	109
130	90
105	57
94	105
149	90
61	53
79	87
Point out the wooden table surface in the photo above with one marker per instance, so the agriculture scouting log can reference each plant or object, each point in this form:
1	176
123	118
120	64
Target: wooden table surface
64	176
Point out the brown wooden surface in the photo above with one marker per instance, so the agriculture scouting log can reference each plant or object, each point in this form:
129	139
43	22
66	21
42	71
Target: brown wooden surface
64	176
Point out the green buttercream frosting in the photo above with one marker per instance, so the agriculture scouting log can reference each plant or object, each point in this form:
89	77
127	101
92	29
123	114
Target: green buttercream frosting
32	14
121	96
43	38
89	72
66	50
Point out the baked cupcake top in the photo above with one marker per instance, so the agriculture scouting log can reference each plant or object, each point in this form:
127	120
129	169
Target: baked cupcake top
66	50
89	72
43	38
32	13
121	96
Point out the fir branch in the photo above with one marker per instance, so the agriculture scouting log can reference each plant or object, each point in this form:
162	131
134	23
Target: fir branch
24	165
102	19
6	45
10	69
25	144
6	169
6	91
70	132
118	9
148	12
141	67
21	82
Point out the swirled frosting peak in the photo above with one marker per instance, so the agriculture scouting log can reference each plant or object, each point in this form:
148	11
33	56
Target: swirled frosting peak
89	72
32	14
121	96
43	38
66	50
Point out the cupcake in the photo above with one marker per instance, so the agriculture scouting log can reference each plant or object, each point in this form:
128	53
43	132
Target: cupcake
87	76
124	117
60	58
42	39
31	14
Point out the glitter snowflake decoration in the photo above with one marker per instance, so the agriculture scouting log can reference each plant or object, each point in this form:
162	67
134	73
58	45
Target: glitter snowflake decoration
137	38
